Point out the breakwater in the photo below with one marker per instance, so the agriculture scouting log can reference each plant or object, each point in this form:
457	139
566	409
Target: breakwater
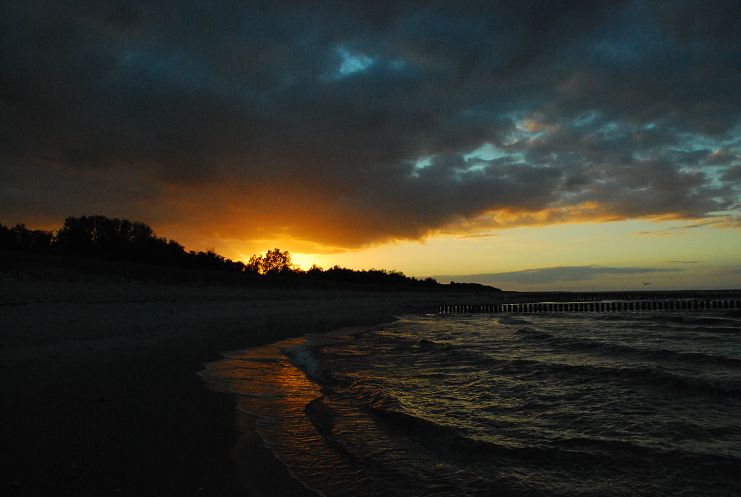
611	302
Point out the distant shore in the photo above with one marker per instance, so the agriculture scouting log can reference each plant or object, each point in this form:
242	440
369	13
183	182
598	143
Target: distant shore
100	390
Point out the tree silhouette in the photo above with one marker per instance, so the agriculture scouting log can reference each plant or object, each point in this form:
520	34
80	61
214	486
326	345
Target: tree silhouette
21	238
123	240
274	262
7	238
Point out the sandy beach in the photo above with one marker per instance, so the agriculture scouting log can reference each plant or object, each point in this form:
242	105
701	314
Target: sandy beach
100	391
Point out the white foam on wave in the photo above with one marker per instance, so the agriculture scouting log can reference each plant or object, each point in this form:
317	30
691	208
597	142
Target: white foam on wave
302	356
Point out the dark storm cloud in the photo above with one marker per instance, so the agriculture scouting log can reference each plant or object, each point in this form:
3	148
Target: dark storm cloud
555	274
350	124
733	174
723	221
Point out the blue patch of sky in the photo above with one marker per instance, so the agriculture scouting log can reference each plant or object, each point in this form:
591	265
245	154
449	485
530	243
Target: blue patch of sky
479	158
475	167
611	129
421	164
487	151
352	62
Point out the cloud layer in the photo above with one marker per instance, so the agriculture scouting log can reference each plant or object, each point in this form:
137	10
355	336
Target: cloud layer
557	274
350	125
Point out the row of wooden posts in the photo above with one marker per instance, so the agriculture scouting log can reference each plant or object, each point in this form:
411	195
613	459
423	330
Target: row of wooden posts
614	306
569	297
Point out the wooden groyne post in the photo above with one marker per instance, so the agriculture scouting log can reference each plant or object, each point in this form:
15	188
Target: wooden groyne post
690	305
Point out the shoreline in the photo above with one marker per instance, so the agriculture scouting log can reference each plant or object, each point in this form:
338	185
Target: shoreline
100	390
252	453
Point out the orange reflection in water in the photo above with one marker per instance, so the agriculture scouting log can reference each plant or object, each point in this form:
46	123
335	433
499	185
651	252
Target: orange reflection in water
275	393
263	378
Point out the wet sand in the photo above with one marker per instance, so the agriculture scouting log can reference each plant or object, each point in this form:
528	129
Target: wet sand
100	392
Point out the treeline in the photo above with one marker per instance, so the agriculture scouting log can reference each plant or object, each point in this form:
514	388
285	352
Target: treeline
112	239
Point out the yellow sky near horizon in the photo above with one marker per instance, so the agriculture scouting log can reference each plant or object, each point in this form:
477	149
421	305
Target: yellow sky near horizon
694	255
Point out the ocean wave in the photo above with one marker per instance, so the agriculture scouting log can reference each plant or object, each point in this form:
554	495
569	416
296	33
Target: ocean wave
442	350
423	353
303	357
689	319
644	376
625	448
441	437
427	344
626	351
533	333
455	443
321	416
512	320
718	329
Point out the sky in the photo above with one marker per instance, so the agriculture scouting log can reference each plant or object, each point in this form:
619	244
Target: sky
530	145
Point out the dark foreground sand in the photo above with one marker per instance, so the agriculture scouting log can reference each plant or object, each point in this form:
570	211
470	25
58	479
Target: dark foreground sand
99	388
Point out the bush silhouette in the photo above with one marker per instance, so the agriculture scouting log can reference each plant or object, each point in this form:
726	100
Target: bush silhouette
21	238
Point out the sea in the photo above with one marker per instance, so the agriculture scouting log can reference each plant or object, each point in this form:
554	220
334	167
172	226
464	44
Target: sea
572	404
